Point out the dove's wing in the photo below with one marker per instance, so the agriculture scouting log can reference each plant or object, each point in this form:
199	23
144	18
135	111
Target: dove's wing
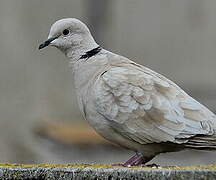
148	108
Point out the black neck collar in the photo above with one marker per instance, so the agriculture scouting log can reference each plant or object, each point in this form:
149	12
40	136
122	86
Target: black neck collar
91	53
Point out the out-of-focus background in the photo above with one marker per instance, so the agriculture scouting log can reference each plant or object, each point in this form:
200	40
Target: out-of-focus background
39	118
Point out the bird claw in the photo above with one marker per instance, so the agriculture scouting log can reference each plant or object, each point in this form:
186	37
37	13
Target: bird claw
121	164
156	166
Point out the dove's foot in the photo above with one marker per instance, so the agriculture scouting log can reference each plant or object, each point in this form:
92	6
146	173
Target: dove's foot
152	165
118	164
136	160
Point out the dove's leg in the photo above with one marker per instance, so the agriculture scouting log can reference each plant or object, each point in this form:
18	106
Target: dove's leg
130	162
136	160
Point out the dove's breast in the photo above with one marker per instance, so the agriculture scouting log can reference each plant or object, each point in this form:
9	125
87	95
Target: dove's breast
87	96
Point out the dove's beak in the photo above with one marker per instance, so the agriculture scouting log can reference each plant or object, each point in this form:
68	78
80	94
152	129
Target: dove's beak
47	42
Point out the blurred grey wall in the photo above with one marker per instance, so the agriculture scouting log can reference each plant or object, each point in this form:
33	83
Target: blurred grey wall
175	38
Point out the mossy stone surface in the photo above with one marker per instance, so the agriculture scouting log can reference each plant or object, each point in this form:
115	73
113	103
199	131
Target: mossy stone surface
106	172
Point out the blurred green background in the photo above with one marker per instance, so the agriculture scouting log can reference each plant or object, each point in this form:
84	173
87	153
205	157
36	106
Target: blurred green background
38	108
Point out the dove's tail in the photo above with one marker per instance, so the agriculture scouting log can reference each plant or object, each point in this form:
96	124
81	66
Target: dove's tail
202	142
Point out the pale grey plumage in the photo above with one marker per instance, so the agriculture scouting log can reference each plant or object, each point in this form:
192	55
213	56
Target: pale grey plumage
130	104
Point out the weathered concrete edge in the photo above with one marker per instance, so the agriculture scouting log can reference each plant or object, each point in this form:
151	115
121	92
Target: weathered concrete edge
52	173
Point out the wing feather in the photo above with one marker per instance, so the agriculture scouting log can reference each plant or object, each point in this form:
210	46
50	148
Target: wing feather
146	107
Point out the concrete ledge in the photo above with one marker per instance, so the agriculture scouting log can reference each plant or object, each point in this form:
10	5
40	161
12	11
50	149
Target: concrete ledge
51	172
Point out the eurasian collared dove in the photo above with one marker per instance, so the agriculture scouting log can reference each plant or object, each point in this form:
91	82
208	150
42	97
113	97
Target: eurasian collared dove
128	103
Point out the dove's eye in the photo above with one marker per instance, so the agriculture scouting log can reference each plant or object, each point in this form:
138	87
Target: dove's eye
65	32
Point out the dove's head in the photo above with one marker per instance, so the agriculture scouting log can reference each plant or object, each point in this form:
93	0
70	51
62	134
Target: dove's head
70	35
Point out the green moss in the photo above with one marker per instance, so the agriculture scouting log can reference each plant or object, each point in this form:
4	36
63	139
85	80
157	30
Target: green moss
40	165
209	167
54	165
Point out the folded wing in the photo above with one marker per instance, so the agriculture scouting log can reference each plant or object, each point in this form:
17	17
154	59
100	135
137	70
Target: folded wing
148	108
